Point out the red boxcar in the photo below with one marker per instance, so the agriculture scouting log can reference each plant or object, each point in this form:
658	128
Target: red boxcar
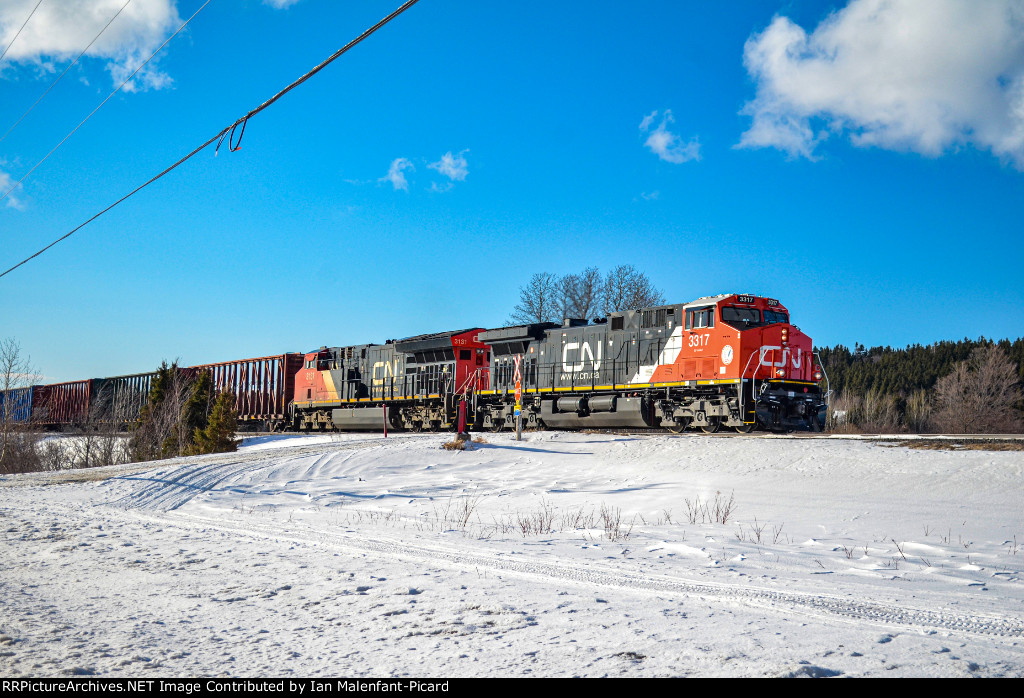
61	404
262	386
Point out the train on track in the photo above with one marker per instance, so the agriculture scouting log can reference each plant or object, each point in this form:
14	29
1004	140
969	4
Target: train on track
727	361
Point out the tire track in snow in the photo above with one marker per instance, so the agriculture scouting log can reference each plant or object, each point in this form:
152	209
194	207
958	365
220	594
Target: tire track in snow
594	575
177	487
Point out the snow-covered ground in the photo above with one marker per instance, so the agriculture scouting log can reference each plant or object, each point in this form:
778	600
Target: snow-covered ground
564	554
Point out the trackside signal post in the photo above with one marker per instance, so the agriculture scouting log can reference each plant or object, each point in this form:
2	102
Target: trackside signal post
519	399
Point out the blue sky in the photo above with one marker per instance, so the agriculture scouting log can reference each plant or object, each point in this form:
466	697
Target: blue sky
860	162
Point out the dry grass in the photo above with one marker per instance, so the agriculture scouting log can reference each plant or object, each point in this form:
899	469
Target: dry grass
463	444
717	510
959	445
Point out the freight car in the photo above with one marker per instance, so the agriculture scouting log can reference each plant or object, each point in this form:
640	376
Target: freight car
94	402
16	405
263	388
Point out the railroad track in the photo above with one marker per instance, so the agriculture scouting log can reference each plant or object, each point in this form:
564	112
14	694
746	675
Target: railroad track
657	431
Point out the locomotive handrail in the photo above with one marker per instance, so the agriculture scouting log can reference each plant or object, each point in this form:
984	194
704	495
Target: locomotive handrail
753	383
828	388
828	385
465	388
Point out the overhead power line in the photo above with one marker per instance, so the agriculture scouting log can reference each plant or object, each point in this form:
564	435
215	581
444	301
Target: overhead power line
116	90
72	65
18	33
228	131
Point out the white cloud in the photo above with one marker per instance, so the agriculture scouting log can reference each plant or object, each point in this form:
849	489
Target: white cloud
667	145
396	174
12	201
280	4
919	75
58	31
454	167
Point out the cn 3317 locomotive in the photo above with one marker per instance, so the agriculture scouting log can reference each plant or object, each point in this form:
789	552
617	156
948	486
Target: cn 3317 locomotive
727	361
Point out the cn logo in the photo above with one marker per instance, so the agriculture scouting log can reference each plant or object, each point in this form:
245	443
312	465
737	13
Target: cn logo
784	356
585	354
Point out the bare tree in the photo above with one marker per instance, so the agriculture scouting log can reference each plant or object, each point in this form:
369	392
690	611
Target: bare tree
878	414
539	300
101	442
549	298
626	288
979	395
873	412
161	432
918	412
18	452
582	294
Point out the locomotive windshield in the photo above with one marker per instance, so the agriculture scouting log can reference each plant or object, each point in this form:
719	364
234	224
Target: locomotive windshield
742	318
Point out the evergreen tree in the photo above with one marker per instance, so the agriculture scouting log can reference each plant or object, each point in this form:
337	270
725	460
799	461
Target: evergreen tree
911	376
219	434
154	435
182	418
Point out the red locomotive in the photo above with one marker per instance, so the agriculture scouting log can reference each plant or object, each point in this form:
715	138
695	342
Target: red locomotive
722	361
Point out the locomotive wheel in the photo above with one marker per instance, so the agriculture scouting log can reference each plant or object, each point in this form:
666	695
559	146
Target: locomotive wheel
745	428
712	426
435	426
417	427
497	426
678	427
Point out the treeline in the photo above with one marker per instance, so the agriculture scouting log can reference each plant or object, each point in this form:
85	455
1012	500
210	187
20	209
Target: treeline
967	386
547	297
902	371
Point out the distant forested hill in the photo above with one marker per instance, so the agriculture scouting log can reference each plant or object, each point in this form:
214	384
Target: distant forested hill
901	372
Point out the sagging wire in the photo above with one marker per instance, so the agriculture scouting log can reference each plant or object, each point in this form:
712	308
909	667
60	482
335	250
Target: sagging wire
228	131
116	90
72	65
18	33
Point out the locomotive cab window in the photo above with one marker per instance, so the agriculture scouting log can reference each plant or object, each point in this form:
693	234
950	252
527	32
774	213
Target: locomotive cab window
700	318
741	318
772	316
